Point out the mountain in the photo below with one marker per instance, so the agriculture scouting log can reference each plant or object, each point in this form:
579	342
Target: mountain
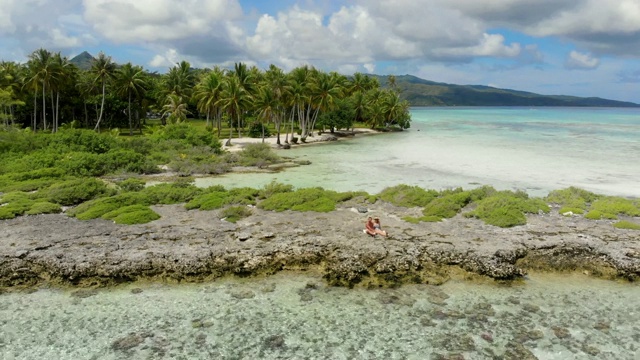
83	61
420	92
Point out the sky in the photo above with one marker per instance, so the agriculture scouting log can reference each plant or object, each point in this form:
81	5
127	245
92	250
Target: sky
567	47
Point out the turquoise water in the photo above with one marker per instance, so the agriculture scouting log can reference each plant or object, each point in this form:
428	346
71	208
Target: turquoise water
531	149
297	317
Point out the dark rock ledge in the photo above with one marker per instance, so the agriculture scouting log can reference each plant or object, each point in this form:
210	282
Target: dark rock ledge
55	250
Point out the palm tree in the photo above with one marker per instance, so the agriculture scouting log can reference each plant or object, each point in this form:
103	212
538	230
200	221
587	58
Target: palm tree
175	109
276	79
325	89
63	75
179	80
207	93
233	99
267	105
41	70
103	70
246	80
130	81
87	88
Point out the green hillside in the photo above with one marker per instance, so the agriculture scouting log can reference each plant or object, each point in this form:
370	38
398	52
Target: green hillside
420	92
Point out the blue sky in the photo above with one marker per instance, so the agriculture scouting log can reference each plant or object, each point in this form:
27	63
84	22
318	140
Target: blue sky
572	47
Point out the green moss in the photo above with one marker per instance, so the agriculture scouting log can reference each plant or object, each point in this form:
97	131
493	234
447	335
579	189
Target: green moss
242	196
14	196
310	199
447	206
572	197
15	208
133	214
407	196
175	193
235	213
627	225
44	208
573	210
372	199
616	206
98	207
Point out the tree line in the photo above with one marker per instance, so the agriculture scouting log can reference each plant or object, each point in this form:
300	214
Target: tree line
48	91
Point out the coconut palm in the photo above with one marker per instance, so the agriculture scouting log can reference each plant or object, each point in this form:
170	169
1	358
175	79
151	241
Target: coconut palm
234	99
325	89
41	70
175	109
103	70
276	79
179	80
207	93
130	82
63	77
267	105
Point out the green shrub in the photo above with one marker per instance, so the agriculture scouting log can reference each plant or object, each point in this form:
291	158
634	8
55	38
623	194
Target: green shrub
616	205
131	184
274	188
209	201
507	209
79	140
627	225
15	208
257	154
309	199
174	193
188	134
30	180
234	213
242	196
597	215
96	208
407	196
255	131
572	197
72	192
133	214
14	196
448	205
565	210
44	207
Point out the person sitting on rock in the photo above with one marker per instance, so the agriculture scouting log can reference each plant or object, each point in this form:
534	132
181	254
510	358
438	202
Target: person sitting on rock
369	227
377	228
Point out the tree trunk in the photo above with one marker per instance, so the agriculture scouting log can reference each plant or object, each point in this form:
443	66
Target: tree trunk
44	108
104	88
130	121
35	112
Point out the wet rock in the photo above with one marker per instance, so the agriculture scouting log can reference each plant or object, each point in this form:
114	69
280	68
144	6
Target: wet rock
484	309
513	300
528	335
84	293
455	342
201	339
129	342
242	294
243	236
517	351
561	332
362	210
136	291
448	357
531	308
603	326
487	337
268	288
200	323
591	350
273	342
444	315
425	321
306	297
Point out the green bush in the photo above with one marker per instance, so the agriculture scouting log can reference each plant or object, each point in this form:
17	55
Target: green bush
255	131
73	192
616	205
572	197
257	154
407	196
133	214
274	188
174	193
96	208
309	199
507	209
131	184
189	135
234	213
242	196
448	205
14	196
44	207
209	201
79	140
15	208
627	225
598	215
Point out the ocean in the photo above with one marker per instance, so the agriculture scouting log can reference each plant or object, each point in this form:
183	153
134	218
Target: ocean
532	149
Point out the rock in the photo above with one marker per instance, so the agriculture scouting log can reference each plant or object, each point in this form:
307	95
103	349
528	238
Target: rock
487	337
591	350
84	293
242	294
274	342
201	339
603	326
362	210
425	321
129	342
531	308
455	342
517	351
561	332
136	291
286	146
271	287
199	323
243	236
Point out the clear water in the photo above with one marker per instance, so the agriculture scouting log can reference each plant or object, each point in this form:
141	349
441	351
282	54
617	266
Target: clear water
283	317
532	149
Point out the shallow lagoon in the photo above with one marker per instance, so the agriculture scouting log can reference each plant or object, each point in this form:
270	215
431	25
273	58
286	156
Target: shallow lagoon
295	316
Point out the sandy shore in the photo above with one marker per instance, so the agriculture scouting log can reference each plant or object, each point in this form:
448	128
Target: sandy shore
239	143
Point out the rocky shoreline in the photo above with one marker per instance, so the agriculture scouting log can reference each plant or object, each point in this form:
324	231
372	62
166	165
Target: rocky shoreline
55	250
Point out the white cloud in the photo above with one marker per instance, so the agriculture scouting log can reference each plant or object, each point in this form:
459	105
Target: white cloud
578	60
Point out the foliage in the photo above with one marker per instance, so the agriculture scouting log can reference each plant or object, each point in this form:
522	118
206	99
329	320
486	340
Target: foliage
309	199
506	209
133	214
274	188
131	184
597	215
44	207
234	213
407	196
613	205
572	197
627	225
15	208
256	130
173	193
189	135
96	208
30	180
209	201
257	154
73	192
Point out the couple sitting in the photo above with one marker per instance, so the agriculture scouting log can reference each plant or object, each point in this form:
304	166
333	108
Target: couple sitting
373	227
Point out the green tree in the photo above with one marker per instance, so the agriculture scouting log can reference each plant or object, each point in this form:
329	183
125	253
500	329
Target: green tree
130	82
234	99
207	94
41	71
103	70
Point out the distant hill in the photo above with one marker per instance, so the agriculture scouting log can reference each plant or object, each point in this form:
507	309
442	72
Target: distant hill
420	92
83	61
